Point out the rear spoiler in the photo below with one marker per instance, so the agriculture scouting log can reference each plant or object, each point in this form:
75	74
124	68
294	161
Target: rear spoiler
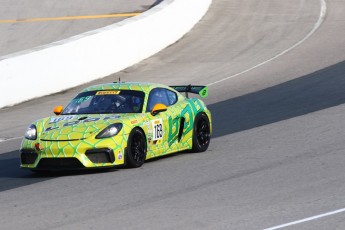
197	89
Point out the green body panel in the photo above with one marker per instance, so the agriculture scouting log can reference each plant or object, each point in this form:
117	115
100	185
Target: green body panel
70	136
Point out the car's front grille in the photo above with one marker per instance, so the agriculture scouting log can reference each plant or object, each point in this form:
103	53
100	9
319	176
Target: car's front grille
28	156
99	156
59	163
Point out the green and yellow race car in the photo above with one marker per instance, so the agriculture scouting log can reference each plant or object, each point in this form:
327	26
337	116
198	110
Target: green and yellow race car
115	124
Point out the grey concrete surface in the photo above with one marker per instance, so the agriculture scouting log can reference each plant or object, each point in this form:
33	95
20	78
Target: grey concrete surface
20	36
277	154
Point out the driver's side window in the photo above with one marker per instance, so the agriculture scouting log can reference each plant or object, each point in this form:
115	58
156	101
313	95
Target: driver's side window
157	95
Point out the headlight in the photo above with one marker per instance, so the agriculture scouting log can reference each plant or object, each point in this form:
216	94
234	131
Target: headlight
31	133
110	131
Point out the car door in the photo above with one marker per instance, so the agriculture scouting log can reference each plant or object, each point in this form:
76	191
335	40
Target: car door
160	127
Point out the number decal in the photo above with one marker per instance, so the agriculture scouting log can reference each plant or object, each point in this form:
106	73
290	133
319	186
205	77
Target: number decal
157	126
158	131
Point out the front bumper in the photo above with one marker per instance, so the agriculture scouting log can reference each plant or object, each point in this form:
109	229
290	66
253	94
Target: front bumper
66	155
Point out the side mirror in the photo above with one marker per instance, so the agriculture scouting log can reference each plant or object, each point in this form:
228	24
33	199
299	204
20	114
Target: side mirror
58	110
158	108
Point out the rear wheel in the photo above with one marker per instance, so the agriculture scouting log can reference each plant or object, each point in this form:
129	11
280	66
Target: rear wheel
201	133
136	148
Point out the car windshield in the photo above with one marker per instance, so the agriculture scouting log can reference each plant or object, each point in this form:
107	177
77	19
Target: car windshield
106	101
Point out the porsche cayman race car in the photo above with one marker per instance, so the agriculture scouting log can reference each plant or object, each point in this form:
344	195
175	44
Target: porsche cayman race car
118	124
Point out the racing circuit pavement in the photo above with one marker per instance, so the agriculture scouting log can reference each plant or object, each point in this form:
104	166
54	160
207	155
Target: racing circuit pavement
277	153
27	24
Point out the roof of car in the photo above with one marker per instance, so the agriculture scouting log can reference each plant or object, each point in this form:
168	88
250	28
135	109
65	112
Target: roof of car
141	86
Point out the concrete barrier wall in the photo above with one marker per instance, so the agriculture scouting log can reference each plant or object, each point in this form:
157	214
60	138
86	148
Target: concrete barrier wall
96	54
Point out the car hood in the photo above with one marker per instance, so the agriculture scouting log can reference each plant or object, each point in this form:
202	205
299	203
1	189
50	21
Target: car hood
75	127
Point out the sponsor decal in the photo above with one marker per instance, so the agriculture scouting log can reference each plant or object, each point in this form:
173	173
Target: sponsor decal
91	119
60	118
111	117
119	156
82	99
50	129
71	123
187	113
134	122
112	92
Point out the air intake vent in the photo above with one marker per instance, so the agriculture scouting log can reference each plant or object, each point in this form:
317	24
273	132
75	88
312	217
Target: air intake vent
59	163
99	156
28	156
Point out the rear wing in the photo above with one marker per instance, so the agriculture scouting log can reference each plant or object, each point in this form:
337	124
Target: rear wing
196	89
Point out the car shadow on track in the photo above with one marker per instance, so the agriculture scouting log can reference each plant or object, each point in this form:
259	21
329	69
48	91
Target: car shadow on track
170	155
12	176
317	91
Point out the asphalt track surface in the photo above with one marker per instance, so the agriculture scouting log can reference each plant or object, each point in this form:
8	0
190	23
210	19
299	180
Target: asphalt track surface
20	35
277	153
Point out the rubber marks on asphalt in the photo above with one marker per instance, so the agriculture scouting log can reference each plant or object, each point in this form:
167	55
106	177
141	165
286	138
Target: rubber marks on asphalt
9	139
322	16
71	18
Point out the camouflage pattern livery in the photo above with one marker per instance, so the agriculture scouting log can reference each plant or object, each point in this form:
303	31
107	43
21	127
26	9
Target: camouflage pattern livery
72	136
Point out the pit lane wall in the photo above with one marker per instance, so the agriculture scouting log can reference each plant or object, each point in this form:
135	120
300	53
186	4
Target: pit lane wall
96	54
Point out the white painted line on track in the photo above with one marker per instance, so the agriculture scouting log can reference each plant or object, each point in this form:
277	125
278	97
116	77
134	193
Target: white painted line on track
321	19
307	219
9	139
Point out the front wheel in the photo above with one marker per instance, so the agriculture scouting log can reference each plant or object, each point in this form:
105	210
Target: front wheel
136	148
201	133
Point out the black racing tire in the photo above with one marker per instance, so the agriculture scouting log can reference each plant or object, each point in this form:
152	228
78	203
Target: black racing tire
201	133
136	148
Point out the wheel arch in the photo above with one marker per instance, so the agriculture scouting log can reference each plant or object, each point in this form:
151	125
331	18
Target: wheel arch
209	116
142	130
197	144
126	163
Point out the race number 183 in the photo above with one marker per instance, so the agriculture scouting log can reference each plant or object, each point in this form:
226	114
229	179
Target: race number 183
157	129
